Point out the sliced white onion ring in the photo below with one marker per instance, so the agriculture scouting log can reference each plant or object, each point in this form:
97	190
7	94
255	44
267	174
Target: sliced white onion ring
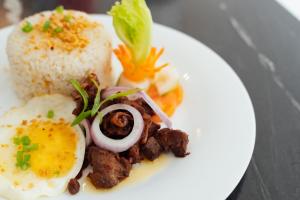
121	145
87	127
161	114
164	118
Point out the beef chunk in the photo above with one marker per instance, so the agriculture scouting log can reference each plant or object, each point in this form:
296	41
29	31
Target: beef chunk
103	180
117	124
88	85
145	134
108	168
150	128
142	106
152	149
73	186
121	119
173	140
138	104
154	127
134	154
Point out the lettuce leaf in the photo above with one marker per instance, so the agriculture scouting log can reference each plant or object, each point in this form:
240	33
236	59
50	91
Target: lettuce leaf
132	21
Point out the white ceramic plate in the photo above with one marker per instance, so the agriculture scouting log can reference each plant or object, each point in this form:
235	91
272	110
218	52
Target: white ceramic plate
217	113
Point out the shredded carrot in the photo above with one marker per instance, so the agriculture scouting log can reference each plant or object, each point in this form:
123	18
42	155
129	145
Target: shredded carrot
167	102
143	71
138	73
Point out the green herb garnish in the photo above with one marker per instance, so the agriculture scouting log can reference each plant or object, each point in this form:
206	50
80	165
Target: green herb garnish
26	157
19	157
23	160
58	30
31	147
80	117
68	18
115	96
59	9
50	114
23	156
120	94
17	140
47	25
100	116
85	97
27	27
97	103
25	140
82	93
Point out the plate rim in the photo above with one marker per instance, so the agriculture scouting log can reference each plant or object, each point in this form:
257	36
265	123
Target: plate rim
211	51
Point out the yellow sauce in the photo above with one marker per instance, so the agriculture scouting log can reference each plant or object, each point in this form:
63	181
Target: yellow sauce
139	173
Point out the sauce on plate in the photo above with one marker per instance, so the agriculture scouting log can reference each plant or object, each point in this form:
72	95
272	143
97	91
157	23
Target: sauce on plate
140	172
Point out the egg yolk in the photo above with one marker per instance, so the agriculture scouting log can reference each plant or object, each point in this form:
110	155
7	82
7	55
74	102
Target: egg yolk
167	102
57	143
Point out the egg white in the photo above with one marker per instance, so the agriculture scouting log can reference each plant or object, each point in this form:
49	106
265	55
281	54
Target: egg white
166	79
24	190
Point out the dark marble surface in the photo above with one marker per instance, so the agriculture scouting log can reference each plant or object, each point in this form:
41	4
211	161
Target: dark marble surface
259	39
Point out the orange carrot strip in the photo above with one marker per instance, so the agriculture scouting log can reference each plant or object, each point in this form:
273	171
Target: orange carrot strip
151	54
139	72
161	67
161	51
122	49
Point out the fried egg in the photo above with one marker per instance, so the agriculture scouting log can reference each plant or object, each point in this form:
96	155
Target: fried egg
39	150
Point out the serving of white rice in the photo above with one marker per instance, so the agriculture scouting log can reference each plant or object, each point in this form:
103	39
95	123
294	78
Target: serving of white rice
39	66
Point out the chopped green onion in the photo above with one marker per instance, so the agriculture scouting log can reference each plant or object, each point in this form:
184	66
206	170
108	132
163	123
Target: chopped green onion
100	116
34	147
50	114
120	94
25	166
25	140
23	160
59	9
95	82
30	147
17	140
58	30
27	27
81	117
26	157
112	97
19	157
96	105
82	92
22	156
68	18
47	25
85	98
